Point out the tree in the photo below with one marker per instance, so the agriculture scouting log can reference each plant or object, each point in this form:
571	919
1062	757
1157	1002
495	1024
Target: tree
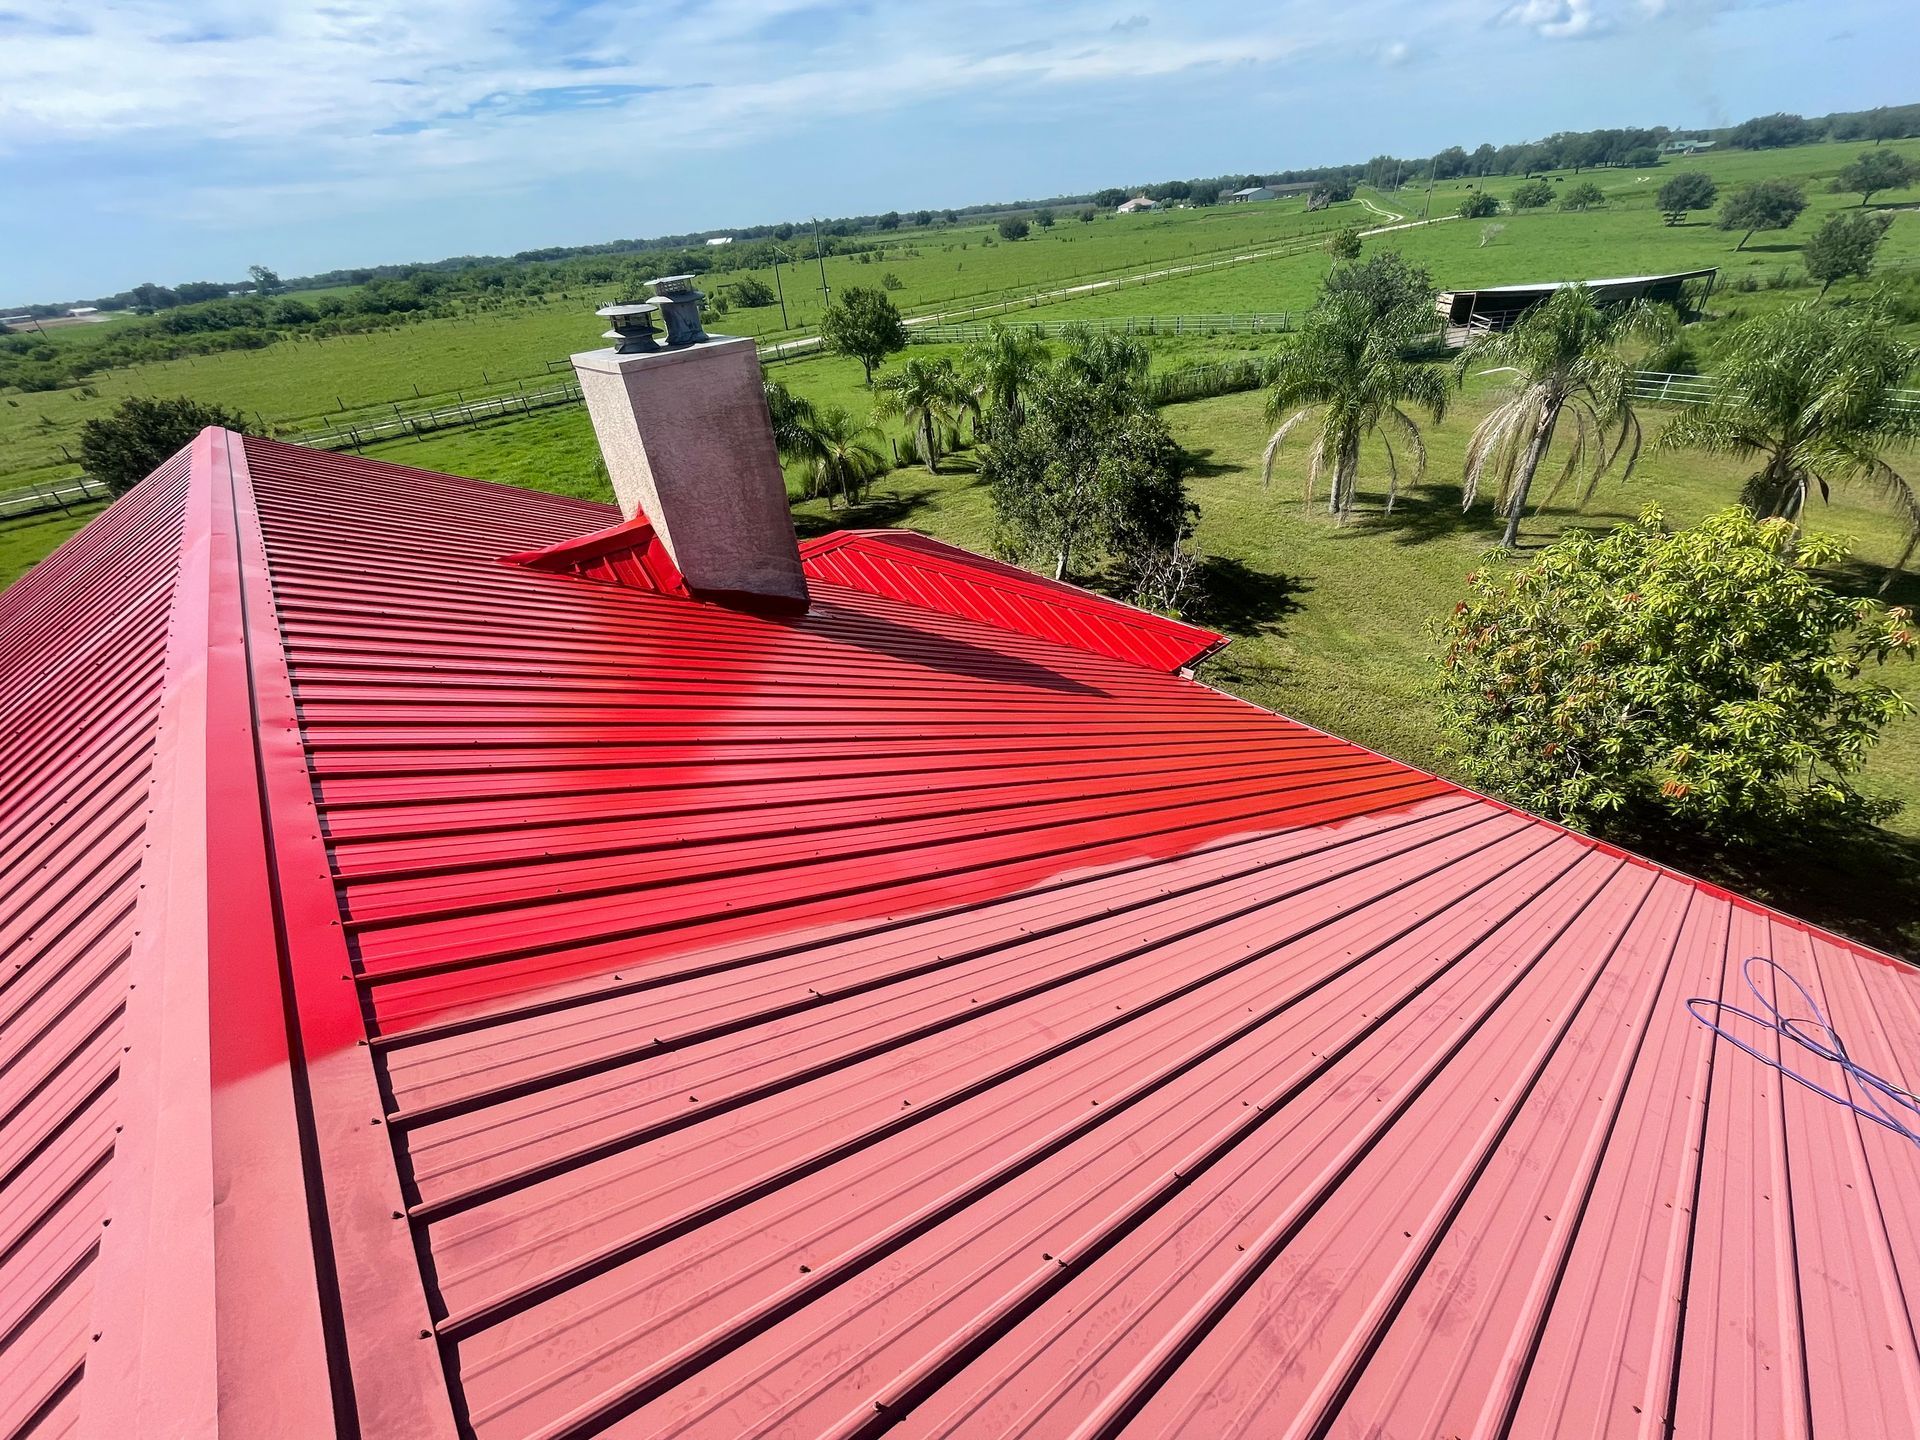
1086	215
1689	190
1532	194
1044	218
889	221
1110	197
841	454
1811	393
1874	171
1764	205
792	417
265	282
1013	227
1349	368
751	292
141	434
923	218
1584	196
1344	244
1564	363
1771	132
1004	367
1089	470
863	324
1478	205
1706	676
1844	247
1396	294
1331	191
931	397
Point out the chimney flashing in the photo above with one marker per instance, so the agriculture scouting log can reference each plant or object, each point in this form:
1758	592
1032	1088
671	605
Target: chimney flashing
688	444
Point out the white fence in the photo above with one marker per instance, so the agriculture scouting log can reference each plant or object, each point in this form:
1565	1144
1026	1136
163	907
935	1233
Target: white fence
52	495
351	435
1276	322
1660	388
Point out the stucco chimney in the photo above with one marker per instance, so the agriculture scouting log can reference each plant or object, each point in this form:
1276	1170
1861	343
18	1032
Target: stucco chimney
684	428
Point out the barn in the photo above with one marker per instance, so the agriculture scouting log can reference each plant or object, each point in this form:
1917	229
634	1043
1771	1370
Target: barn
1464	313
484	964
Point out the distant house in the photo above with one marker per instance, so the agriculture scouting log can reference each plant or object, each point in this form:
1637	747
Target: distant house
1685	147
82	310
1135	205
719	240
1252	192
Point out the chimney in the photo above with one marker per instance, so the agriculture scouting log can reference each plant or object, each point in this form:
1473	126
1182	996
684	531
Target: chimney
684	429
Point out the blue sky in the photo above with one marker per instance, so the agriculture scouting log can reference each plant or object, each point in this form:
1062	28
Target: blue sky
154	140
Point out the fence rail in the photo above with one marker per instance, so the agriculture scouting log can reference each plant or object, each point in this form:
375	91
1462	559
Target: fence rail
1276	322
52	495
351	435
1661	388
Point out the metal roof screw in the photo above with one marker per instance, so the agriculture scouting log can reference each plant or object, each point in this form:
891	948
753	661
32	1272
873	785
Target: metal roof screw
426	1334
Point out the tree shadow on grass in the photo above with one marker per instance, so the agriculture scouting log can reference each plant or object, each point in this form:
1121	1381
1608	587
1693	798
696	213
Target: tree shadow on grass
1421	515
1864	884
1245	601
1202	465
881	509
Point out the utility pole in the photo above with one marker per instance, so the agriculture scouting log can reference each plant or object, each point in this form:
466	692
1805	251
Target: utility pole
780	289
826	292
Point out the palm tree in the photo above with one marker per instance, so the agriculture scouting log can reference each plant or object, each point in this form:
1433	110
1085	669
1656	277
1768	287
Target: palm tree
931	397
1564	359
1812	394
1352	372
1005	366
840	454
790	414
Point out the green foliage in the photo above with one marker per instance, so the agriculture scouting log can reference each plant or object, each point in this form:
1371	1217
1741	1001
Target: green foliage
1811	393
1044	218
1333	190
750	292
1689	190
792	414
864	325
1013	228
932	397
1764	205
841	455
1845	246
265	282
1705	674
1771	132
1350	368
1874	171
1089	471
1532	195
1584	196
891	283
1344	244
125	447
1566	368
1005	366
1478	205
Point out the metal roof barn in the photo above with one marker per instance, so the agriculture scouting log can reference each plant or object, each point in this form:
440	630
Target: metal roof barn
450	998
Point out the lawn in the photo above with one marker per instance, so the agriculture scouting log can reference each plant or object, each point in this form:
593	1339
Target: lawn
25	543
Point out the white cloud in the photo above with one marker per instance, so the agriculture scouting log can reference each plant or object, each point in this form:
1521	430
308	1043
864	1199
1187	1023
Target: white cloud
1555	19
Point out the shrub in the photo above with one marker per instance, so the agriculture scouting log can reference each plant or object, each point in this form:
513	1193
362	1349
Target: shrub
1532	195
1478	205
141	434
1706	675
1013	228
1584	196
1344	244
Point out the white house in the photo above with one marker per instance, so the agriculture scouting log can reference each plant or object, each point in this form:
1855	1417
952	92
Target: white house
1136	204
1252	192
719	240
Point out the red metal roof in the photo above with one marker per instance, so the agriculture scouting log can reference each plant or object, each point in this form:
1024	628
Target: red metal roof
932	575
627	1014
